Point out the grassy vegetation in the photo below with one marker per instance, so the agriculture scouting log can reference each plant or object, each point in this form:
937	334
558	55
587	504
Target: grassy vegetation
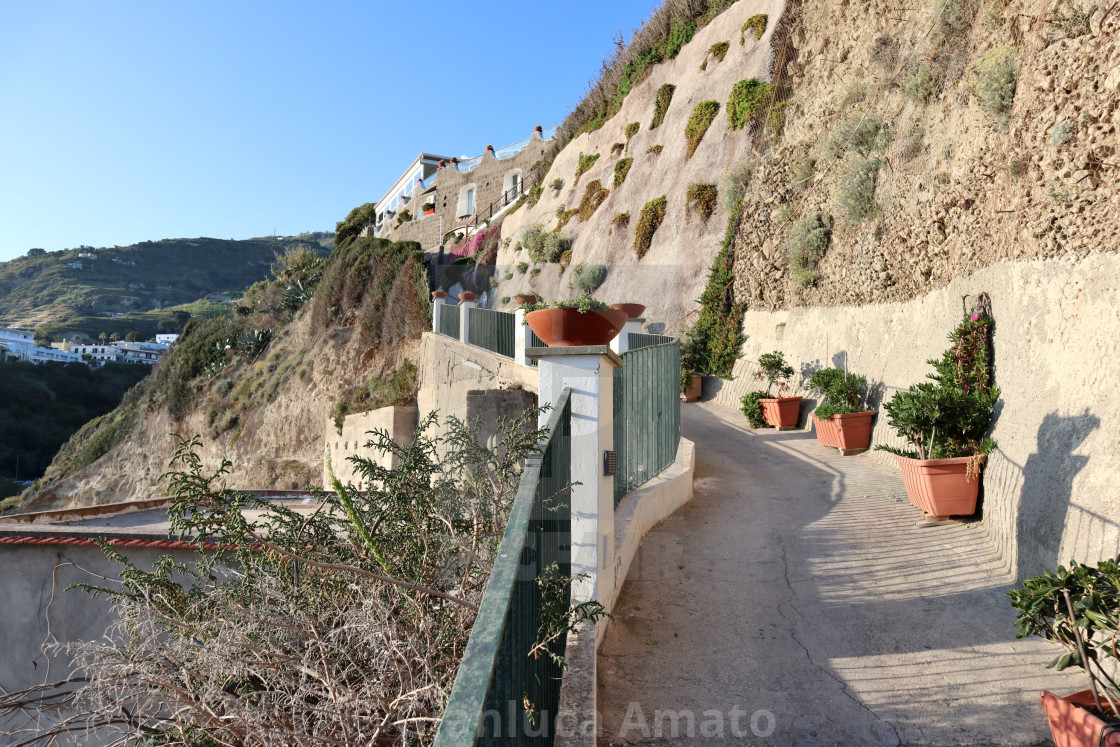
854	191
145	282
621	169
620	220
756	24
698	124
399	389
654	150
747	100
631	131
808	242
660	38
585	163
653	212
711	345
701	198
997	74
593	196
588	278
661	104
717	50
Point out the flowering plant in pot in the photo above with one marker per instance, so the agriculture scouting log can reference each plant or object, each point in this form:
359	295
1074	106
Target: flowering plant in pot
779	412
429	208
1079	609
584	321
842	419
945	423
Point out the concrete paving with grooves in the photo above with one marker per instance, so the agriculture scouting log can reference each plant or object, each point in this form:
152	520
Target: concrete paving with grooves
798	584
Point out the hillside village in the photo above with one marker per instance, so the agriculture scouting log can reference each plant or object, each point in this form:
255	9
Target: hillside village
788	225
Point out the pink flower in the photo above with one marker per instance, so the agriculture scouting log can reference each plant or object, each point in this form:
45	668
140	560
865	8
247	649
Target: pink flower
974	317
966	388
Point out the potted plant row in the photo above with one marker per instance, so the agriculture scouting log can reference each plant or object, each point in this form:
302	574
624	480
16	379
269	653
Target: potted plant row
842	420
1079	609
584	321
945	423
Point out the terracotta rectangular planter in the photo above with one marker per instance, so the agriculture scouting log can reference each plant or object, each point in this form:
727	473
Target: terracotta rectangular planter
693	392
781	412
1071	723
940	487
850	433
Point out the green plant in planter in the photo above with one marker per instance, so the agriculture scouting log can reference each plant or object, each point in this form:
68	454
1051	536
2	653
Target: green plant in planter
583	304
949	416
1079	609
841	392
752	408
773	369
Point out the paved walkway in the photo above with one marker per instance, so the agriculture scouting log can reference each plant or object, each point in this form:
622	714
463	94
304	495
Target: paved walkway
797	594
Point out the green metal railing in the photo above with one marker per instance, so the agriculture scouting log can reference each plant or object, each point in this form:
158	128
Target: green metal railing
492	330
498	679
642	340
647	413
449	320
532	341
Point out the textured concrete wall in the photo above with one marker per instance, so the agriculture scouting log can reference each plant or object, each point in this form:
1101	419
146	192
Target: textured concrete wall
400	422
37	610
1047	489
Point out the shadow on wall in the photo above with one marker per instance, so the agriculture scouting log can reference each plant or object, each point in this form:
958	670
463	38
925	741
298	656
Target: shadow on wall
1047	489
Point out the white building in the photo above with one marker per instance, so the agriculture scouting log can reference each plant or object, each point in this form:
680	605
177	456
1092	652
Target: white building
148	353
166	339
95	353
21	344
417	177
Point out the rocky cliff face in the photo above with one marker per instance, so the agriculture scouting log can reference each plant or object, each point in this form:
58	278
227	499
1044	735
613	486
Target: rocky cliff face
924	140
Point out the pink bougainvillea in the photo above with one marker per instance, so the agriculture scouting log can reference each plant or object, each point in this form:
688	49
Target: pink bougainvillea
486	239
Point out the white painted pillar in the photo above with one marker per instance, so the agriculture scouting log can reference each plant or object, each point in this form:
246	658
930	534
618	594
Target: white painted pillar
437	306
589	373
465	319
520	338
621	342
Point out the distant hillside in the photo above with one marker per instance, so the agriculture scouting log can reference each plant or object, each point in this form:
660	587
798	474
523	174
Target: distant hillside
131	288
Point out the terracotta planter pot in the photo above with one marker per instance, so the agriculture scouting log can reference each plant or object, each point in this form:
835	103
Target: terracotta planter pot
850	433
940	486
633	310
468	296
567	327
781	412
693	392
432	211
439	294
1071	723
524	298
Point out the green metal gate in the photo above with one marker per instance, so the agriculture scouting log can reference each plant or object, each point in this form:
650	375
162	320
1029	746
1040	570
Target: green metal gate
647	413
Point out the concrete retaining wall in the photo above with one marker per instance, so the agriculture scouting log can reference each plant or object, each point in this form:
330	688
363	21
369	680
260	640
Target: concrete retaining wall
450	370
400	422
1047	490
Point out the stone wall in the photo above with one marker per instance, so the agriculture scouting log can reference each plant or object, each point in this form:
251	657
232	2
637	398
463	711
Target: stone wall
1046	490
399	422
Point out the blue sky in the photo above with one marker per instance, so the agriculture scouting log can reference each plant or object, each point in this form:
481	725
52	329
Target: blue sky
128	121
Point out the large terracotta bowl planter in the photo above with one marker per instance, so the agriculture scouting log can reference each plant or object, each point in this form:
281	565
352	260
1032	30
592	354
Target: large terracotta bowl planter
940	487
781	412
1072	724
567	327
850	433
633	310
468	296
439	294
525	298
693	392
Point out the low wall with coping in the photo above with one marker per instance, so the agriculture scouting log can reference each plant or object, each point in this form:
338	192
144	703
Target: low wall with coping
639	512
